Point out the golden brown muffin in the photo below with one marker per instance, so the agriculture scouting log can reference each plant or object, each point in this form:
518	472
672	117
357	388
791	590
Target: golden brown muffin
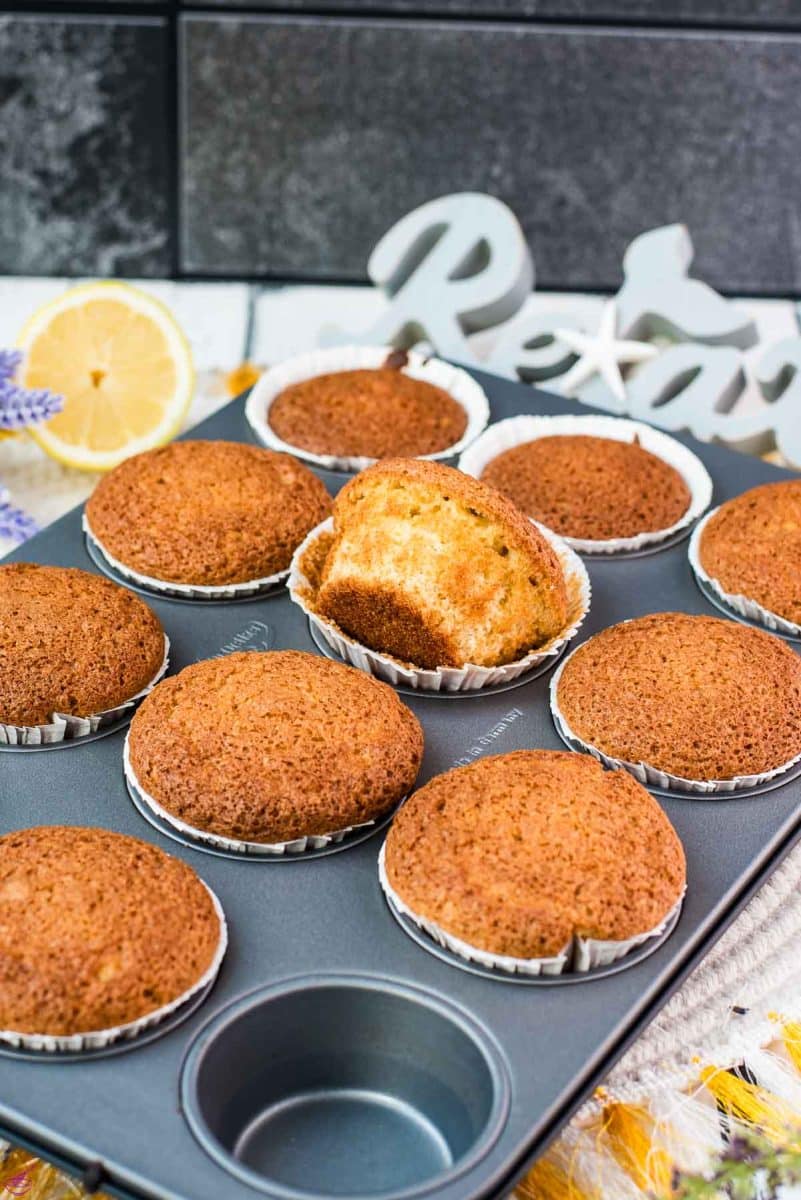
267	747
96	929
206	513
518	853
752	547
590	487
437	569
71	643
367	413
698	697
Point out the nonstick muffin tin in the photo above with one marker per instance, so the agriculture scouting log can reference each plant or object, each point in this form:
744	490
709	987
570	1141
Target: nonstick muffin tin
337	1055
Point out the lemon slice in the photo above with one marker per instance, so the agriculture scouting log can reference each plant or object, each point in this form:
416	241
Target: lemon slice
121	363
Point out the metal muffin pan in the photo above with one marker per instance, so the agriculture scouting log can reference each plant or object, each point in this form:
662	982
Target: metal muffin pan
335	1056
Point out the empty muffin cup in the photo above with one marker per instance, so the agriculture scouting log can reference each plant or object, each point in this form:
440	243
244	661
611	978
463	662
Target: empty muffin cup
386	1088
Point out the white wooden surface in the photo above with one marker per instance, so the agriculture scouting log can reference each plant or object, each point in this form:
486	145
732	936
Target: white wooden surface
228	323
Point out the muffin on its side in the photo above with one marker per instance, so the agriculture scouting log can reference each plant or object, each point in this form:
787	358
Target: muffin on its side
698	697
436	569
98	930
206	513
752	547
72	643
270	747
519	854
370	413
590	487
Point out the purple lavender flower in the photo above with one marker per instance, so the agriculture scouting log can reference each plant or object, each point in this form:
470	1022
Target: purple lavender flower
14	523
9	361
20	407
23	406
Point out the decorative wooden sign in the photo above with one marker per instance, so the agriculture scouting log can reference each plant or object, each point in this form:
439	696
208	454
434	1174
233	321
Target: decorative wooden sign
460	264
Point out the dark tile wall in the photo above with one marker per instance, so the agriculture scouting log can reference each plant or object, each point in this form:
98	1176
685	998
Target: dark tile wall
338	127
84	165
755	13
265	143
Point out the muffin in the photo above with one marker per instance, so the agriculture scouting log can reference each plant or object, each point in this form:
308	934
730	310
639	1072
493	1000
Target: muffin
436	569
98	930
71	643
593	488
520	854
697	697
751	546
206	513
270	747
370	413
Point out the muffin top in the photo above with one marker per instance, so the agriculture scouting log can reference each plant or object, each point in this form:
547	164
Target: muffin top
267	747
752	547
371	413
590	487
437	569
72	643
206	513
518	853
698	697
96	929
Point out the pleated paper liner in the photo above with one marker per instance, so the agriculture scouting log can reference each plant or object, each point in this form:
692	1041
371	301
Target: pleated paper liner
116	1038
584	959
179	591
214	843
453	380
730	603
444	680
64	728
662	781
515	431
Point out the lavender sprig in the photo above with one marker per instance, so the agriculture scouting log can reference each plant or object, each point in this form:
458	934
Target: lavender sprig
23	406
9	362
19	407
15	524
26	406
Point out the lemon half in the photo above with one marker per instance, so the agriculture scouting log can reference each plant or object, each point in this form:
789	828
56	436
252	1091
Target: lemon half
123	366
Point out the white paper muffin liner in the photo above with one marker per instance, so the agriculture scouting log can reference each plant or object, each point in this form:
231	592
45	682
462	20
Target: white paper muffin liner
218	841
651	776
453	380
185	591
468	678
98	1039
64	727
516	430
739	604
581	955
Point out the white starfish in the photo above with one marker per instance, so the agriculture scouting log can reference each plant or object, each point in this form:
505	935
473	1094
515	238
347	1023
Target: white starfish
600	354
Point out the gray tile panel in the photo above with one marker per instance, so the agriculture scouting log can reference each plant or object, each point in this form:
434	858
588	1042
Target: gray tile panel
304	140
83	146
